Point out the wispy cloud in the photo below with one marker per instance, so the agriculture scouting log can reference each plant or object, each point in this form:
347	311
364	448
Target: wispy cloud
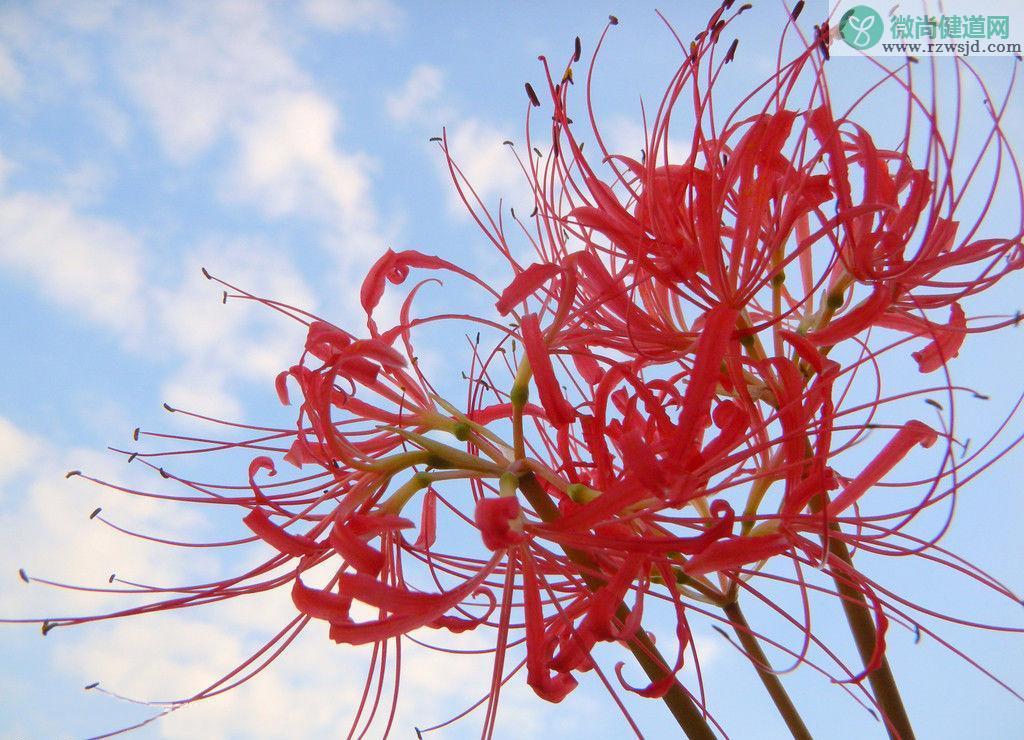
87	265
353	15
10	78
419	97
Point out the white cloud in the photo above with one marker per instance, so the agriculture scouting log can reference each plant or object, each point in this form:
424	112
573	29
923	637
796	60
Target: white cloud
488	165
476	144
110	120
202	70
47	530
311	690
18	451
85	264
289	165
626	136
212	74
417	99
86	183
5	169
355	15
220	345
11	80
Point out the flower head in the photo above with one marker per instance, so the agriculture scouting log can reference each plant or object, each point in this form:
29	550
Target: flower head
686	410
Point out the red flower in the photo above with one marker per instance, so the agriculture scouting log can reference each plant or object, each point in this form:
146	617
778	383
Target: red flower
697	327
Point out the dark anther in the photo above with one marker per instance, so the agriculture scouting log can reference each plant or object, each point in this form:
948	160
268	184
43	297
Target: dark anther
95	512
47	626
1016	318
982	396
1018	57
720	631
532	95
744	8
823	45
731	54
435	138
506	142
797	9
132	456
164	473
93	685
112	577
135	434
917	633
933	402
912	60
537	152
419	735
613	20
513	212
205	273
23	575
167	407
72	473
534	212
577	51
478	338
464	376
224	297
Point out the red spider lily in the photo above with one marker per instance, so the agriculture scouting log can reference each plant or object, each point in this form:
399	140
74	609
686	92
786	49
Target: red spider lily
697	327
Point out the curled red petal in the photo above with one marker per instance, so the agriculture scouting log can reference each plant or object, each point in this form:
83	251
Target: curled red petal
257	464
559	412
736	552
494	517
432	607
281	386
394	267
320	604
856	320
277	537
654	690
524	285
356	552
912	433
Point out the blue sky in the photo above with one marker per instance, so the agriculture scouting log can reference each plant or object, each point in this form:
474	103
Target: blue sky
284	146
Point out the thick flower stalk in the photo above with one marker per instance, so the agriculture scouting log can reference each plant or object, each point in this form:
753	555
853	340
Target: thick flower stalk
676	407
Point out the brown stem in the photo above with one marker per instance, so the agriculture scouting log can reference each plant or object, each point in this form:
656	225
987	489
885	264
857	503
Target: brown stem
858	615
678	700
770	680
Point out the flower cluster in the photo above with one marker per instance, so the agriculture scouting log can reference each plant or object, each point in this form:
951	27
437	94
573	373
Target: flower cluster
679	402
